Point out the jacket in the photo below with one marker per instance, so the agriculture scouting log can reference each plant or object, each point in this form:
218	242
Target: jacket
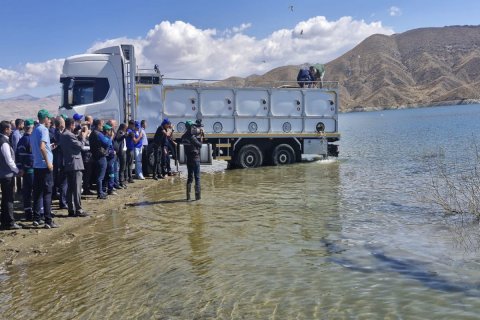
24	155
192	147
71	148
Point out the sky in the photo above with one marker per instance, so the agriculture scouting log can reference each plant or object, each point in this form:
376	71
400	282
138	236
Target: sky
207	39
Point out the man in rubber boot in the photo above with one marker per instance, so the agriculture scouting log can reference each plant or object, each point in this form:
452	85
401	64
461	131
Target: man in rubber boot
192	152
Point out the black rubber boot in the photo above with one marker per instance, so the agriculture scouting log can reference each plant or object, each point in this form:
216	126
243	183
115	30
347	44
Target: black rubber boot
189	189
197	192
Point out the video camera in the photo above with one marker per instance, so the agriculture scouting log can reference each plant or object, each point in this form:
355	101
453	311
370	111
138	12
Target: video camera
197	128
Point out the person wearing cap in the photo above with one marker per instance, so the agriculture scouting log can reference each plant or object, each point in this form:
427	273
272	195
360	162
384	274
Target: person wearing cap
14	138
71	146
161	141
42	171
99	148
24	159
116	165
8	170
192	151
121	152
109	181
59	176
78	118
157	151
138	151
143	127
130	143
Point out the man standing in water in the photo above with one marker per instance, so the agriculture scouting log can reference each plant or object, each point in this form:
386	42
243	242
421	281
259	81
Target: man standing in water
192	152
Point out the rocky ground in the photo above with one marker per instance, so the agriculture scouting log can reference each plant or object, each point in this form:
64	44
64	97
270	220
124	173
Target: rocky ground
17	246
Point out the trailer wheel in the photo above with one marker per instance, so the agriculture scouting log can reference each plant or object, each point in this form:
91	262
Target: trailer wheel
283	154
249	156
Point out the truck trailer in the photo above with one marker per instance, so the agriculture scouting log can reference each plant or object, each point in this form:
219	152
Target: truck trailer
272	124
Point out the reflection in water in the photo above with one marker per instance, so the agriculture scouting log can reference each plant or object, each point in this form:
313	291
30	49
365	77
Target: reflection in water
199	258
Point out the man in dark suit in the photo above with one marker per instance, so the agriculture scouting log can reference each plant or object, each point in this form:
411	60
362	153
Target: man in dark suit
71	146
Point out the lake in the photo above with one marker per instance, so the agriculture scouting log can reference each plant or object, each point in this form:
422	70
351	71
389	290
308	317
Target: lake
348	238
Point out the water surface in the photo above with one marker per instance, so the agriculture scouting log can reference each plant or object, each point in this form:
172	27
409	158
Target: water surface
338	239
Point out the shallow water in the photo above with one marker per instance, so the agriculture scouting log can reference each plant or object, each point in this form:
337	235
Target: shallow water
341	239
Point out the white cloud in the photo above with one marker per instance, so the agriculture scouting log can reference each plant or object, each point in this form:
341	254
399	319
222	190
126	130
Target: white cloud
31	75
183	50
394	11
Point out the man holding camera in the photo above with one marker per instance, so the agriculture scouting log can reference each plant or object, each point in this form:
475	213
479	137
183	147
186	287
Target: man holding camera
192	151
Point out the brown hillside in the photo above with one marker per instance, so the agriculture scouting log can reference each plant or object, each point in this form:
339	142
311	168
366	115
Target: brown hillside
421	66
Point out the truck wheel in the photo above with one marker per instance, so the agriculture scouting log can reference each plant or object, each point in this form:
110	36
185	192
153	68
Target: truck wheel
250	156
283	154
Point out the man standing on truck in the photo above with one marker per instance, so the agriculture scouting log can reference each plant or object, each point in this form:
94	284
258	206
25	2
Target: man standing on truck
192	152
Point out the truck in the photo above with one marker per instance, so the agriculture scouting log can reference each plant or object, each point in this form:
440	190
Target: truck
248	126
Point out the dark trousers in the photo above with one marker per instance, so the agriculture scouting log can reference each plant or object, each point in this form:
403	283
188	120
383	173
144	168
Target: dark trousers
130	157
165	161
109	179
87	174
122	171
145	161
101	165
74	191
193	168
19	184
157	154
116	172
6	215
42	194
27	189
60	185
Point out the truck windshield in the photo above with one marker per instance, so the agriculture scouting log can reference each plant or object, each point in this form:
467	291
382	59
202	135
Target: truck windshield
84	90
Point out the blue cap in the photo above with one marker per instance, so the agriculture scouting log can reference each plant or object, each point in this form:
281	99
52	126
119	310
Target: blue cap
165	121
77	117
137	124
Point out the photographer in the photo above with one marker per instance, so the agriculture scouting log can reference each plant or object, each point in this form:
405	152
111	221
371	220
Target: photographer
190	140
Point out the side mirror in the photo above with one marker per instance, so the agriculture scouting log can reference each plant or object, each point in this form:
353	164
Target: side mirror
70	92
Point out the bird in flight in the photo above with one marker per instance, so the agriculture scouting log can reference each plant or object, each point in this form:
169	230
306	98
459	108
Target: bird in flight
291	8
301	31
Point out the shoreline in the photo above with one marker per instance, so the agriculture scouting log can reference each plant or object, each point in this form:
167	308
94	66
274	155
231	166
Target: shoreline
23	245
416	106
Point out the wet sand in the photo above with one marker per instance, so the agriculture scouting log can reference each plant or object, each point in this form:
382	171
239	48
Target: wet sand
19	246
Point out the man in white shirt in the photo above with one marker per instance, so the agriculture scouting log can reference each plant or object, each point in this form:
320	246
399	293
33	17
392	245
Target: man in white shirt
8	170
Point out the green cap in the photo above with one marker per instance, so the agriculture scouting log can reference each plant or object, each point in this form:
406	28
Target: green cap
189	123
64	116
106	127
42	114
29	122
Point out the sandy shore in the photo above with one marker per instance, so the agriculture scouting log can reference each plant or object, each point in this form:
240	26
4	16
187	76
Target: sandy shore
18	246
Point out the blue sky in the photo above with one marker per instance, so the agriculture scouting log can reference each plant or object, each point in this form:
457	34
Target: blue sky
207	39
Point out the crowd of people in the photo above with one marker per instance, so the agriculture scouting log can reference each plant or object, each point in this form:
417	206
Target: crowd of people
61	158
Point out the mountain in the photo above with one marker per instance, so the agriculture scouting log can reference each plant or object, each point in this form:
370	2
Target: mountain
26	106
24	97
418	67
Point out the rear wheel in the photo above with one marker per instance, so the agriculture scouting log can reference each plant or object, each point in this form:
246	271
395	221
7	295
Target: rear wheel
283	154
249	156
